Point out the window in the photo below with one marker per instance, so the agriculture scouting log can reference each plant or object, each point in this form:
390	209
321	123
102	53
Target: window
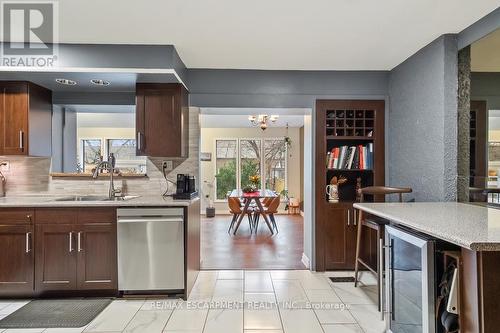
238	159
95	150
91	153
250	158
126	160
225	167
275	164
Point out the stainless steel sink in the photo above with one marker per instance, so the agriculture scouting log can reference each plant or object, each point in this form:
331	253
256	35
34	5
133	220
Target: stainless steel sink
96	198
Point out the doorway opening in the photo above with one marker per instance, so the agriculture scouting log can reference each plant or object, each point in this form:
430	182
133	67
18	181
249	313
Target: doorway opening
255	188
484	121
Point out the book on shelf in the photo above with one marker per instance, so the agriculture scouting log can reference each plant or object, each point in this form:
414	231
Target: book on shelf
358	157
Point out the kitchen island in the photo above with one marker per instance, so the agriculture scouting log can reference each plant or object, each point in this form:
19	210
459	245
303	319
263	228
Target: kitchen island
65	246
475	230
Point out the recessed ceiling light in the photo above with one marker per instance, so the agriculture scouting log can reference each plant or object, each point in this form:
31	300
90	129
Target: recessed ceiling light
99	82
66	82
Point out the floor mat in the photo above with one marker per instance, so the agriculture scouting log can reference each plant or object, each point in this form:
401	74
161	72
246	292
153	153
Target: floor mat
48	313
342	279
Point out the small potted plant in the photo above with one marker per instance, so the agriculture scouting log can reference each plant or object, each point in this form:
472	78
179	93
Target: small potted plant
254	184
284	195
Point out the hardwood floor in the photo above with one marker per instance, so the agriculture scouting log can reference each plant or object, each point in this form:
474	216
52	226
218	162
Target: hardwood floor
219	250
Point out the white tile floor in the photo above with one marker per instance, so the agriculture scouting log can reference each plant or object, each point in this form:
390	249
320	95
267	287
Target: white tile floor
268	297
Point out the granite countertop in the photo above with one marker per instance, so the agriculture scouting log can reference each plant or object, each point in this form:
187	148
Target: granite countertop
51	201
470	226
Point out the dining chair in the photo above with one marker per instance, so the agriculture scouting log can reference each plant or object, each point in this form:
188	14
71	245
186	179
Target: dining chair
266	201
269	211
236	209
377	224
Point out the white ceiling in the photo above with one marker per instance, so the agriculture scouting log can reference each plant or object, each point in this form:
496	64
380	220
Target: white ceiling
485	53
278	34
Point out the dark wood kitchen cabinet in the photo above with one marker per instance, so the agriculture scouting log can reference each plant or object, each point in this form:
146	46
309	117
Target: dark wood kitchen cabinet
16	252
25	119
55	264
346	128
57	250
16	260
162	120
96	251
340	238
76	249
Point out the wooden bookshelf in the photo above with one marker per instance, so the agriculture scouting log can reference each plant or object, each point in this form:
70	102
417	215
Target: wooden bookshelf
345	123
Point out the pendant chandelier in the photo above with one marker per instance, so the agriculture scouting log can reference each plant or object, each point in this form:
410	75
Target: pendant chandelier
262	120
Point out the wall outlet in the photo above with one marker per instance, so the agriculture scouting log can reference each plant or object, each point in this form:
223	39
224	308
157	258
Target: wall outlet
168	165
5	167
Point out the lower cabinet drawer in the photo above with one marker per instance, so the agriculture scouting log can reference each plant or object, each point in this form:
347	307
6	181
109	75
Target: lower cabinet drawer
16	216
56	215
96	215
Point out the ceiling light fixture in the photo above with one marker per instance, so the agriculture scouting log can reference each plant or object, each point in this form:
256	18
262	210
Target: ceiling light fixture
261	120
99	82
66	82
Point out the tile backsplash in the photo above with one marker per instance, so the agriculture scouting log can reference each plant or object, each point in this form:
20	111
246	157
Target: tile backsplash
30	175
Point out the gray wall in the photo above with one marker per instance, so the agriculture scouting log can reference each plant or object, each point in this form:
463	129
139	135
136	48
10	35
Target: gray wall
258	88
69	141
57	138
486	87
423	122
478	30
131	56
288	89
108	98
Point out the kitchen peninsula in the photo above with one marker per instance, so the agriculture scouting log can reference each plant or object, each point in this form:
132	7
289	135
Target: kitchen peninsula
475	230
63	246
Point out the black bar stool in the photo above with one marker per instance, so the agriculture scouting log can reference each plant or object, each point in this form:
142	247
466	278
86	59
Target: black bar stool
378	224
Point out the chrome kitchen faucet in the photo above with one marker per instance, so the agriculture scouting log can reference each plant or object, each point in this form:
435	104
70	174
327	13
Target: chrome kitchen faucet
108	165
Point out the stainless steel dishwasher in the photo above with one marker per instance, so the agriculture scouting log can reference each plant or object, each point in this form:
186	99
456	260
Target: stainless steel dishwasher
150	249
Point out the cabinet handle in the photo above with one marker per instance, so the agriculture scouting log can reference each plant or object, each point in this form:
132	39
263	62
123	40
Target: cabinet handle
387	249
29	218
381	277
139	141
71	241
79	241
28	242
348	217
21	140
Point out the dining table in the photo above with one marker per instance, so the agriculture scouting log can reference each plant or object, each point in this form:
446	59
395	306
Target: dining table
256	197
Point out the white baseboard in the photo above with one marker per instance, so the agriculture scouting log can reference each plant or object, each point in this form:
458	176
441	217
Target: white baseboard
306	261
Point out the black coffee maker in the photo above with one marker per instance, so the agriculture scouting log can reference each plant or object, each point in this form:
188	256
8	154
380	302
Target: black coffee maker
186	188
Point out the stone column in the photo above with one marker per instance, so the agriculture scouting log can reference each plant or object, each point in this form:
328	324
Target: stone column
463	137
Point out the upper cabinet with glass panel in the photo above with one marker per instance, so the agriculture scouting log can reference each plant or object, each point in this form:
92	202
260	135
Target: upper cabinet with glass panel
84	135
